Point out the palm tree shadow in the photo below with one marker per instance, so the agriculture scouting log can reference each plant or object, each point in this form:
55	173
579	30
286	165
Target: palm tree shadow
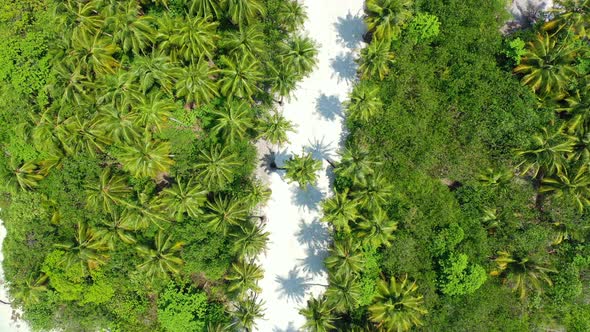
527	13
319	149
293	286
350	30
313	263
273	159
345	67
329	107
290	328
314	234
308	198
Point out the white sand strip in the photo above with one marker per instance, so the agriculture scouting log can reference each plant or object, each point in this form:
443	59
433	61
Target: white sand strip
293	262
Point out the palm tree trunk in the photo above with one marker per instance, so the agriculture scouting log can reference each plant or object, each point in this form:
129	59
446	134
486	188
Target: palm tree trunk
4	302
331	163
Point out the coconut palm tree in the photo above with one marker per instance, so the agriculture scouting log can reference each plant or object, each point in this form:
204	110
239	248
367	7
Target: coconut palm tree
116	229
247	41
373	192
318	315
196	38
302	169
274	127
147	158
116	90
355	164
109	191
375	60
119	124
69	84
376	231
570	14
396	306
386	18
86	249
292	15
364	102
343	292
94	54
239	77
232	121
242	12
78	17
153	111
196	83
492	177
130	29
243	277
548	64
521	272
249	240
184	197
345	257
247	311
339	210
153	69
546	156
162	258
205	8
80	135
576	187
25	175
283	80
215	166
31	290
224	212
300	53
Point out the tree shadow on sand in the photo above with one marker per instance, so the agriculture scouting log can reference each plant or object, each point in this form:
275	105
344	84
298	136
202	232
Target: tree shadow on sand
344	67
314	234
293	286
350	30
329	107
319	149
273	159
290	328
313	263
307	199
529	11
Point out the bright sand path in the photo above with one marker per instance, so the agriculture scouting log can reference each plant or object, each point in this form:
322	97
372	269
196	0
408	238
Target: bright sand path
298	240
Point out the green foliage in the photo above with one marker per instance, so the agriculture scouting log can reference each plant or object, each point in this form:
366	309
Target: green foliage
423	28
459	277
183	309
515	50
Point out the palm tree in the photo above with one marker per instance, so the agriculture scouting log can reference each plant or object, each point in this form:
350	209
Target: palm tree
249	240
216	166
364	102
494	178
130	29
373	192
318	315
386	18
147	158
244	277
343	293
69	84
300	53
162	258
243	12
274	128
355	164
205	8
339	210
376	231
572	15
232	121
118	124
240	77
196	84
79	135
547	154
247	41
182	198
26	175
30	291
578	187
345	257
110	190
78	17
156	68
548	65
292	15
196	38
375	60
283	80
521	272
116	90
302	169
397	307
85	250
116	228
223	213
153	111
94	54
247	311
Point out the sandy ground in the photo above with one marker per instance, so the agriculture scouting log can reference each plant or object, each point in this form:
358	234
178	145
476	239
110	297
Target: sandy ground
293	262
